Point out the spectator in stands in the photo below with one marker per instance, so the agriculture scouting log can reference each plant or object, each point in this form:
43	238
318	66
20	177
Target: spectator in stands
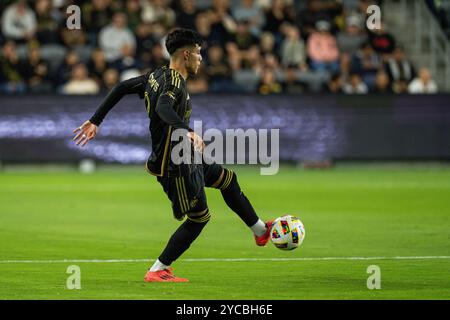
36	71
80	83
269	84
400	87
366	62
423	84
110	78
248	10
115	36
218	71
47	23
441	9
382	83
292	49
267	43
252	60
359	8
243	39
96	15
221	22
323	50
355	85
350	40
11	81
247	72
76	40
97	65
158	57
63	73
145	41
239	44
127	63
19	22
276	17
186	14
317	10
203	27
399	68
158	11
382	41
133	12
291	82
270	61
335	84
281	48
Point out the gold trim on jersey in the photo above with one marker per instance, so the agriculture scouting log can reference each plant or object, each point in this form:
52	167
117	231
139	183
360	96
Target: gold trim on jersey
147	102
176	81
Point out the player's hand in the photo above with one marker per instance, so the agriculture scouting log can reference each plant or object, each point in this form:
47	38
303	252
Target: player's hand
87	131
197	141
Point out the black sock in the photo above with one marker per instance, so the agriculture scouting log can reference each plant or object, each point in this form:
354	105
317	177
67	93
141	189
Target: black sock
238	202
181	241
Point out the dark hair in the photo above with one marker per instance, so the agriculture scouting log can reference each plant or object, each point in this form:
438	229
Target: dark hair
335	76
180	38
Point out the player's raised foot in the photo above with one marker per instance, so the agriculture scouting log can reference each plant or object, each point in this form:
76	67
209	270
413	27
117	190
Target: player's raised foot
262	240
165	275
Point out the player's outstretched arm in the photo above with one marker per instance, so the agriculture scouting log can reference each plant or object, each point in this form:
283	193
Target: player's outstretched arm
88	130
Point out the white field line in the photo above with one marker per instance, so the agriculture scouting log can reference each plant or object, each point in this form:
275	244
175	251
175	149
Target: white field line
229	259
145	187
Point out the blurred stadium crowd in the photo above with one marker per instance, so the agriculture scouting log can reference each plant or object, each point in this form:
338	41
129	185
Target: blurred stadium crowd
251	46
441	9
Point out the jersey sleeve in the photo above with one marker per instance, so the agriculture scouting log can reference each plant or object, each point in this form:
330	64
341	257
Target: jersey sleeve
169	102
130	86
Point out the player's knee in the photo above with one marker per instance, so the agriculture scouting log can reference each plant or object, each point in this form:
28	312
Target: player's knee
199	217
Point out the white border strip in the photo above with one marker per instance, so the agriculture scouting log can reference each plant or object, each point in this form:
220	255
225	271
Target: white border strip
229	259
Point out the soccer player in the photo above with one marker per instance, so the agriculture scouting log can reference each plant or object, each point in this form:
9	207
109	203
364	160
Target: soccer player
169	108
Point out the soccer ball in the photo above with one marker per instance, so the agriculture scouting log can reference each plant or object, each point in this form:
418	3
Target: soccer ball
287	232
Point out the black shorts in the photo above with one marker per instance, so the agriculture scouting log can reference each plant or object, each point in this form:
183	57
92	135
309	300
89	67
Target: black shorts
187	193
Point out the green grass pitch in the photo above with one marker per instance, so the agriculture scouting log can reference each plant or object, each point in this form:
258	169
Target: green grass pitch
357	211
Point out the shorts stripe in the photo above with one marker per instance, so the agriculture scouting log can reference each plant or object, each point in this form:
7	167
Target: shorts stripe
217	183
181	198
227	180
179	195
183	191
201	219
197	214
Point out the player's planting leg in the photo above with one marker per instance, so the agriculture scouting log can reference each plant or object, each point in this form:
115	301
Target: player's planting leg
183	237
239	203
178	243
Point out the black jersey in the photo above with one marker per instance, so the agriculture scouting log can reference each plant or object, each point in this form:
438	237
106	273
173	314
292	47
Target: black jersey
168	107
